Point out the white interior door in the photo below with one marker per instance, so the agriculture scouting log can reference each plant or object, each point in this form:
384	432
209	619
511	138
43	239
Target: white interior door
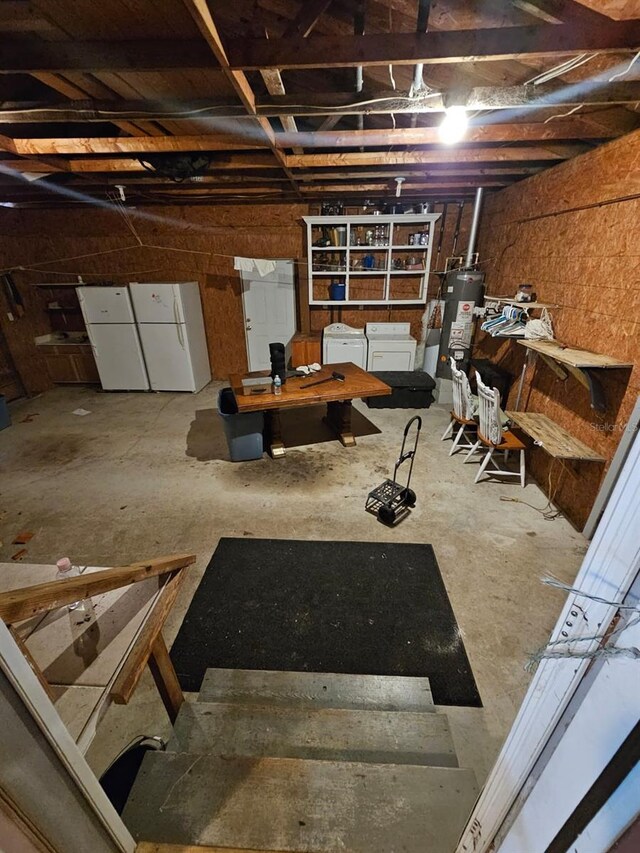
269	305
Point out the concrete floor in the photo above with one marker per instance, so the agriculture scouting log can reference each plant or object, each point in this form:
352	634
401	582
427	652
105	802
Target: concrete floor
148	474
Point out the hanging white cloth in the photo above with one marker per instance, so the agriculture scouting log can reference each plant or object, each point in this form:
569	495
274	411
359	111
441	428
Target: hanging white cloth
260	265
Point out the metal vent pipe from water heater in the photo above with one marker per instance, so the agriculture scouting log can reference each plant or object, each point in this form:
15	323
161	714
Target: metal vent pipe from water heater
462	290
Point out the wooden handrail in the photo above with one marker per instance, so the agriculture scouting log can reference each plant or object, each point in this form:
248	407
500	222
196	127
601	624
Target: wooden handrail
133	667
22	603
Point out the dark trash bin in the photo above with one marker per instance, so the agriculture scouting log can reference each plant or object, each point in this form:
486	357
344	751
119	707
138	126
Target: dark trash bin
243	431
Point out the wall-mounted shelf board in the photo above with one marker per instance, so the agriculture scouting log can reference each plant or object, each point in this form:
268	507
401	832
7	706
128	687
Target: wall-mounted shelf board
574	357
396	231
341	303
57	284
518	303
553	438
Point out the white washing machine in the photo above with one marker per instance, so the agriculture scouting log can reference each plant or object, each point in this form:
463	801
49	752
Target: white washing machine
342	343
391	347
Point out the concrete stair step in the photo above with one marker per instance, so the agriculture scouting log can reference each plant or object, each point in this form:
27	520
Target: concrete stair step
333	734
293	805
317	690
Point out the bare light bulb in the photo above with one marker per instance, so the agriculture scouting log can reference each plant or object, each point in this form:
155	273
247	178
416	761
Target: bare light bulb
454	125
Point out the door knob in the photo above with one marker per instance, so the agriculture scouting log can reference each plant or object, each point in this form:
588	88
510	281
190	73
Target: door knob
248	328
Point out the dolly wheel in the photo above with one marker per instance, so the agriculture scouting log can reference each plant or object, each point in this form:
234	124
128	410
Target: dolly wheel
409	497
387	515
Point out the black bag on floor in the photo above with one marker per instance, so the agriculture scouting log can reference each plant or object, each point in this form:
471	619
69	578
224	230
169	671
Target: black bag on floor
117	780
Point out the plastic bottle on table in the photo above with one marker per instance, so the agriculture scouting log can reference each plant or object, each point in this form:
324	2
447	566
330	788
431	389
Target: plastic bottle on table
83	611
277	385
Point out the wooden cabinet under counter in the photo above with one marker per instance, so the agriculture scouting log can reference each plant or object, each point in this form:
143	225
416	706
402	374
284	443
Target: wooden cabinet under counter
69	363
306	348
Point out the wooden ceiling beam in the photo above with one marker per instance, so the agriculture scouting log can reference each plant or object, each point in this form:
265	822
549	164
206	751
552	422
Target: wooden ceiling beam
31	54
134	145
433	47
306	19
71	90
517	132
525	97
302	25
465	170
449	155
333	104
561	130
199	11
406	188
223	163
561	11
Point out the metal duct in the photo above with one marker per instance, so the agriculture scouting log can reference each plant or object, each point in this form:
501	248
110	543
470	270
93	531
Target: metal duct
473	234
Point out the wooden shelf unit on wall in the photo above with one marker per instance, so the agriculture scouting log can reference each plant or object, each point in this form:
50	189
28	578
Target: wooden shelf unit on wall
394	286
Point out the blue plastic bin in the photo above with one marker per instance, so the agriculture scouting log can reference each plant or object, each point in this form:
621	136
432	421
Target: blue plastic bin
337	291
243	431
5	417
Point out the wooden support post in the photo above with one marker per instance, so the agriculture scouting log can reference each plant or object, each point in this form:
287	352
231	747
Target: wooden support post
339	419
20	643
556	368
132	669
165	678
273	434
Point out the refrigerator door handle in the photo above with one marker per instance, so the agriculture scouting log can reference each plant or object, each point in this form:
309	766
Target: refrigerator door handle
93	346
176	317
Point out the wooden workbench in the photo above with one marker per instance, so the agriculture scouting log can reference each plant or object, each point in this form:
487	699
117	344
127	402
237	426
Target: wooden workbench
337	395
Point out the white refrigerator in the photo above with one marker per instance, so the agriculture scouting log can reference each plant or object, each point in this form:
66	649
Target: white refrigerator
113	335
171	328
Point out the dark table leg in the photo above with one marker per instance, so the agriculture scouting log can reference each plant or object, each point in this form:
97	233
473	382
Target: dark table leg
339	419
273	434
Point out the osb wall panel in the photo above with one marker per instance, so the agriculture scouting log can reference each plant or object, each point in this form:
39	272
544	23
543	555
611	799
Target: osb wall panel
359	317
18	335
178	244
574	233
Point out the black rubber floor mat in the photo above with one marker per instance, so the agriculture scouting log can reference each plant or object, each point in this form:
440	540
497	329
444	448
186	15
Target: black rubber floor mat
366	608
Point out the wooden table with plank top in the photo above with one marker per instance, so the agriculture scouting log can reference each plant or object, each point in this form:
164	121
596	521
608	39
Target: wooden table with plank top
337	395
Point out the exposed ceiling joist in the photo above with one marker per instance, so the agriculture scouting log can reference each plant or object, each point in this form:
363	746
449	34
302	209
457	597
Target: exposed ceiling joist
514	132
561	11
71	90
529	97
201	14
301	25
433	46
30	54
386	186
335	104
133	144
450	170
458	155
568	129
306	19
228	162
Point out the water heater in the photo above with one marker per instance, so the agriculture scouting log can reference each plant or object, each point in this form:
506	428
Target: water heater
463	289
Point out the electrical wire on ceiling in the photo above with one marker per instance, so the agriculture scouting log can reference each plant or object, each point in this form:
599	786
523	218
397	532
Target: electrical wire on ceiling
168	114
562	68
625	70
